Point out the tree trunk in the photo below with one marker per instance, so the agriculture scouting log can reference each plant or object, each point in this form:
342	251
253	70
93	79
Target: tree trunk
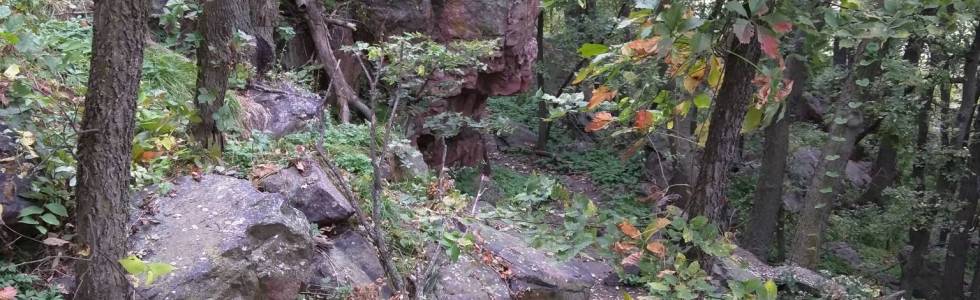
315	18
105	145
886	165
264	15
958	244
544	127
764	216
846	125
215	61
731	104
919	233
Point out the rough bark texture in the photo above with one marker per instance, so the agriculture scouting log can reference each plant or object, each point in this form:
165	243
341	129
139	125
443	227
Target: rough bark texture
825	185
105	143
731	105
215	59
544	127
315	17
959	244
264	15
764	217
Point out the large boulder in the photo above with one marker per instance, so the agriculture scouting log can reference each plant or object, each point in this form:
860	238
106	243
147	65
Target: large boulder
225	239
468	278
309	190
349	261
803	164
532	273
278	109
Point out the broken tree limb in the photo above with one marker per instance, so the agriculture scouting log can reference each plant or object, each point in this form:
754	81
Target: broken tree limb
315	17
743	266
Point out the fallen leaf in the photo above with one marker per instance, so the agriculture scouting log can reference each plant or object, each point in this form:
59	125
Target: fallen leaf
632	259
665	273
8	293
599	122
53	241
769	44
627	228
599	95
148	156
657	248
263	170
623	248
84	251
657	225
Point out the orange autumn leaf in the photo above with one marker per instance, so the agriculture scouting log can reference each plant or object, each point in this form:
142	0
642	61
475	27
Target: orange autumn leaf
623	248
632	259
148	156
599	122
644	120
657	248
694	78
769	44
599	95
629	230
642	47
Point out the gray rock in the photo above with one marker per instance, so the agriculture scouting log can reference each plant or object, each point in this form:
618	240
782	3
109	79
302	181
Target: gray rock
407	162
350	261
10	188
225	239
535	275
310	191
803	164
278	109
844	252
519	137
467	278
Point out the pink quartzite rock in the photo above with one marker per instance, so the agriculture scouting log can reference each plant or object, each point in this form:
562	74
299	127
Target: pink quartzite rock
509	72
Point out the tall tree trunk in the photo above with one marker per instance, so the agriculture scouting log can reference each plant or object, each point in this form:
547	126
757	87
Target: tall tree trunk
919	233
886	165
105	145
544	127
764	216
846	124
316	19
215	61
264	14
731	104
958	244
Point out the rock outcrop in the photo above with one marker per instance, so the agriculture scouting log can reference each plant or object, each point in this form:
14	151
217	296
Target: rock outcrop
278	109
513	22
308	189
225	239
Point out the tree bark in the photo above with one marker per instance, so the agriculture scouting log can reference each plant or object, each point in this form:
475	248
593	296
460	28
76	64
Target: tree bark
847	124
544	127
321	38
731	104
764	216
215	61
886	165
919	233
958	244
105	145
264	14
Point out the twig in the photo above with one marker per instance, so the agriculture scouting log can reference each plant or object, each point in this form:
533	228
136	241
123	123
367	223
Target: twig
49	258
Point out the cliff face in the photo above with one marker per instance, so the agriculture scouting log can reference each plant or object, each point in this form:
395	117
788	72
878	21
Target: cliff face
509	72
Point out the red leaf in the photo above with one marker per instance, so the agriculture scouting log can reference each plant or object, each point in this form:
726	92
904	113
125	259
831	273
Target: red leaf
769	45
599	122
782	27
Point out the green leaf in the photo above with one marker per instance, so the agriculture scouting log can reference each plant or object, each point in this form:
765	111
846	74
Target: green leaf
591	50
57	209
28	220
827	190
737	7
840	121
155	270
771	290
658	286
31	210
752	120
50	219
863	82
133	265
832	174
702	101
41	229
832	157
